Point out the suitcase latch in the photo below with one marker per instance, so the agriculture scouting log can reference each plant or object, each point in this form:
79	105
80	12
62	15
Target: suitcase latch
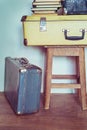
23	70
43	27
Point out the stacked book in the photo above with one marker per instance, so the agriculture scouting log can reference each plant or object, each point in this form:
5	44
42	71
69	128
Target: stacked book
46	6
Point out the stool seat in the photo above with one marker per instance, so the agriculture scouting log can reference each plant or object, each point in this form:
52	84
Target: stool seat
78	52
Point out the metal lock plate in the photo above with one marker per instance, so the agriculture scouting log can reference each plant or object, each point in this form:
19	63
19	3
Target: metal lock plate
43	27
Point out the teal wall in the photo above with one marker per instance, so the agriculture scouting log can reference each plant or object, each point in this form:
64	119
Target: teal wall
11	41
11	35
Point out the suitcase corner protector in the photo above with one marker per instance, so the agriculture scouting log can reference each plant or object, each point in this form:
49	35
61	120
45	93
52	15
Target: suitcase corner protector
23	18
22	70
25	42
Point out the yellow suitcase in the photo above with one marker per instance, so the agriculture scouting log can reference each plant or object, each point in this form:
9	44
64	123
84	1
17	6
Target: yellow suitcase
42	30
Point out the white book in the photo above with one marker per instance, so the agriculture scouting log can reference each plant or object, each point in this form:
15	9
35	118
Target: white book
44	12
48	6
46	3
46	0
40	9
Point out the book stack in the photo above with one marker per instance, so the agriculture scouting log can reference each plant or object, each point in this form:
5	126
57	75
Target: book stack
46	6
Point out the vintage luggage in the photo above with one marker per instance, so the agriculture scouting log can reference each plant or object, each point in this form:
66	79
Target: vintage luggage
22	85
75	6
42	30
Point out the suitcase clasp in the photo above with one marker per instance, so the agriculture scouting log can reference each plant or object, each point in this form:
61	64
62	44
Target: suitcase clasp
43	27
23	70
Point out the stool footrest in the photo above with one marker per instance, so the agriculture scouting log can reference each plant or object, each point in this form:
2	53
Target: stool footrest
65	85
64	76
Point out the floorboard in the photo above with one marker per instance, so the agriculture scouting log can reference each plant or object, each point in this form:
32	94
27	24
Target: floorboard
65	113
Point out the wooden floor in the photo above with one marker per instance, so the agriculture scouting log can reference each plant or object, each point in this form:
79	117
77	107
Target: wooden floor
65	114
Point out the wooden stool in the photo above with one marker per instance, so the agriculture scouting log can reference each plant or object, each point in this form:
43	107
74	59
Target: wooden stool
80	76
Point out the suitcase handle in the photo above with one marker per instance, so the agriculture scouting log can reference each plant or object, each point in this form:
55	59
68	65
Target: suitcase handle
23	61
74	37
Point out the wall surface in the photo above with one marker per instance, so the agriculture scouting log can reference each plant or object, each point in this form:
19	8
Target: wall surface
11	42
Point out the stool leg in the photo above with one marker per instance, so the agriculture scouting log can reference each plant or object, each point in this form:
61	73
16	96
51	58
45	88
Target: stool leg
82	78
48	77
78	77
